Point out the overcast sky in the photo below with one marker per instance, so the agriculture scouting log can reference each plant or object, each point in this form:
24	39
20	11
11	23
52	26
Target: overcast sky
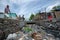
26	7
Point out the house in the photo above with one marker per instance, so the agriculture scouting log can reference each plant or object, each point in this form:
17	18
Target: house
56	13
39	16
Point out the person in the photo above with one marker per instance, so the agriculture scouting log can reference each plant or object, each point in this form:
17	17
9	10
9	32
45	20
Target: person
50	17
7	10
23	18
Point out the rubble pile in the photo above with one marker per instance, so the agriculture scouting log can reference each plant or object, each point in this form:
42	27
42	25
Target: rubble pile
9	26
37	36
12	31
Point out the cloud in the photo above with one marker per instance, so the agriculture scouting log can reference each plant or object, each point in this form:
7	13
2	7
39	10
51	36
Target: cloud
51	6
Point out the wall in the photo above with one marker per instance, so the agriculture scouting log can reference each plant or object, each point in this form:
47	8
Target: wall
57	13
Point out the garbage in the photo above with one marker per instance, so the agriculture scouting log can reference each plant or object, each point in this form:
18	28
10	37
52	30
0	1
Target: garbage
26	29
37	36
44	39
28	33
19	34
49	37
6	15
11	36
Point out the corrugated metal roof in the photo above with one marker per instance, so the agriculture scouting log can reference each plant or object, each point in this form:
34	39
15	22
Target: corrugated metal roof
12	15
58	9
9	15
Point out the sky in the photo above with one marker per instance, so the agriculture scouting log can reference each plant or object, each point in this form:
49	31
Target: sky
27	7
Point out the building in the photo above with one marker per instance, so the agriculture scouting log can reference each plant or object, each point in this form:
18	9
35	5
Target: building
56	13
39	16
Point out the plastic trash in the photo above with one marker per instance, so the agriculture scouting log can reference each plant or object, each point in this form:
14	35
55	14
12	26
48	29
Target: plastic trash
6	15
11	36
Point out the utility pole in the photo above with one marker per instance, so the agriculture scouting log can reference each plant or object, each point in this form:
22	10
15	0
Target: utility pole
45	14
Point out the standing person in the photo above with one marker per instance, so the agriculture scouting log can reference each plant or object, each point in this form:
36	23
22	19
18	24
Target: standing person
7	10
23	18
50	17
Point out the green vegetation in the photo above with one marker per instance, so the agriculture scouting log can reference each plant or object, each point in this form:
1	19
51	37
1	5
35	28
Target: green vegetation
55	7
31	17
27	29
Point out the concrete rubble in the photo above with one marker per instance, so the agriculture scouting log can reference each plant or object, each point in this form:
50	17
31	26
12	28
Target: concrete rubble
8	26
13	30
33	35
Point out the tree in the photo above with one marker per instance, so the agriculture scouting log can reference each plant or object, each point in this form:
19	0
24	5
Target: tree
55	8
31	17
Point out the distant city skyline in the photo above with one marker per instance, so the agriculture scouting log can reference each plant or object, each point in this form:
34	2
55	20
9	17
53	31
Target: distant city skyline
26	7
